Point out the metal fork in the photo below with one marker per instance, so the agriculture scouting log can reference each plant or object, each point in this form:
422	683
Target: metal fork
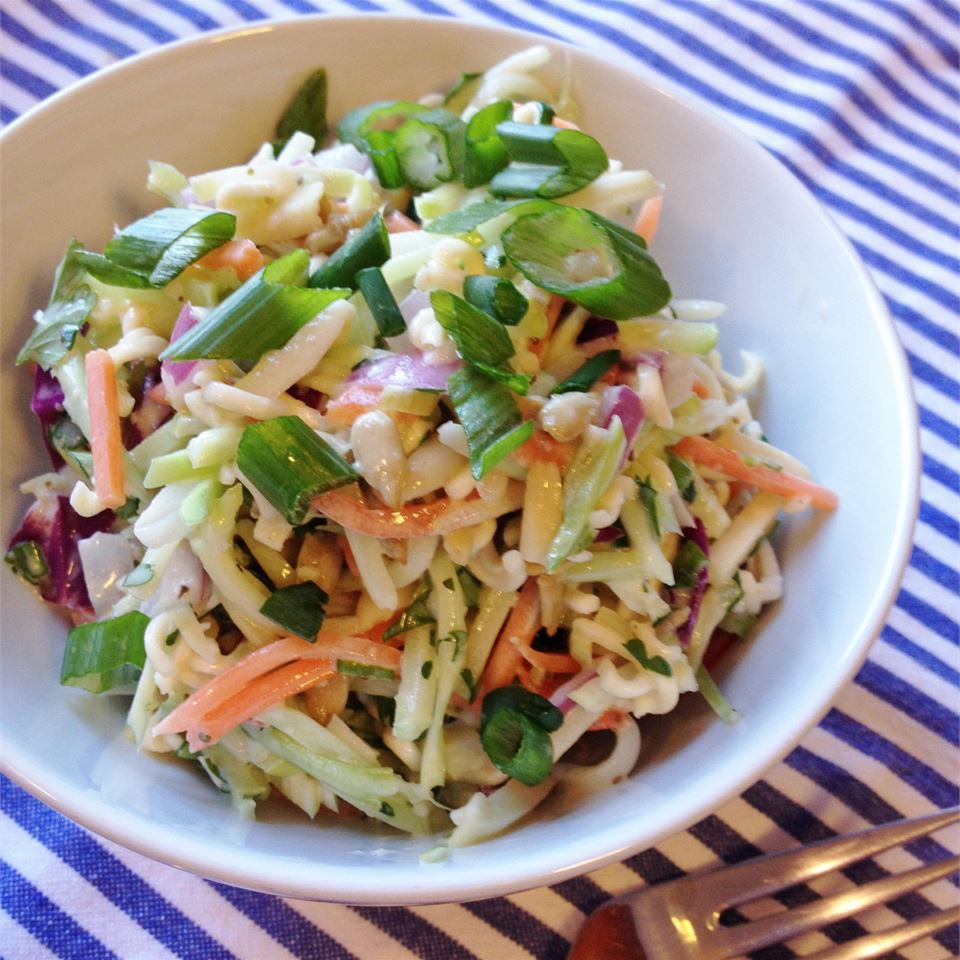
681	919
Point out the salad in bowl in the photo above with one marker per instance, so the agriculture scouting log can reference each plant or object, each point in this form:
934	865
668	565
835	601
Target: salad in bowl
389	475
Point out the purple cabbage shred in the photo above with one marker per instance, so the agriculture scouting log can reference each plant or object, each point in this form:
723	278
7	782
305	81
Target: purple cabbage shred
56	528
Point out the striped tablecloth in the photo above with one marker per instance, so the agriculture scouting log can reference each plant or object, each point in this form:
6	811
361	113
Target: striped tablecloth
859	99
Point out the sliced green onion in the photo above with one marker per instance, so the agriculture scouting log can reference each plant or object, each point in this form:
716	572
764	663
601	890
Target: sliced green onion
490	417
416	615
379	298
585	376
545	113
66	312
485	153
105	655
518	747
684	476
368	247
357	125
481	340
547	161
383	155
468	218
496	296
540	710
290	464
515	733
307	112
478	336
688	563
371	129
714	696
430	148
352	668
648	497
637	650
550	247
158	247
27	561
299	609
261	315
461	93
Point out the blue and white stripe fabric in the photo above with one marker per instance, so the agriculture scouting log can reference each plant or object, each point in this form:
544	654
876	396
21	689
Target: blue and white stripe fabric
859	99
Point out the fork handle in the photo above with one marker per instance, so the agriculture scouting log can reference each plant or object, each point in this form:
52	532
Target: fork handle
609	934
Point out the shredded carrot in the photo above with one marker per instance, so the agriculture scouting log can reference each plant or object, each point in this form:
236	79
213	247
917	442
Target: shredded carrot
700	388
377	631
209	701
397	222
357	399
106	441
517	633
348	558
610	719
648	219
541	447
243	257
439	517
564	124
710	454
417	521
552	311
264	692
550	662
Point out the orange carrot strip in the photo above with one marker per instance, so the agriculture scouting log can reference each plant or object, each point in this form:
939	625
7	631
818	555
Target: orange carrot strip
517	633
243	257
264	692
542	447
397	222
231	681
213	694
357	399
360	649
442	516
348	558
550	662
106	442
610	719
552	311
700	388
780	482
648	219
564	124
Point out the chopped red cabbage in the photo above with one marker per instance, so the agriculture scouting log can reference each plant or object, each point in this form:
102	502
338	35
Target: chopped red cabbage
56	528
622	401
47	404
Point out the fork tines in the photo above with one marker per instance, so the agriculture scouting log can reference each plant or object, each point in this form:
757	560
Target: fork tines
692	906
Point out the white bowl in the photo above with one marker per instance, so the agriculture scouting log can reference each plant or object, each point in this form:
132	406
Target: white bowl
737	227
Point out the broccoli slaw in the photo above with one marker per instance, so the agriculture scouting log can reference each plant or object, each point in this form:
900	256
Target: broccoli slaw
388	468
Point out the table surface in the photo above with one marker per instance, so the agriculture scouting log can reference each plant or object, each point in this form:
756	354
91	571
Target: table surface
859	99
